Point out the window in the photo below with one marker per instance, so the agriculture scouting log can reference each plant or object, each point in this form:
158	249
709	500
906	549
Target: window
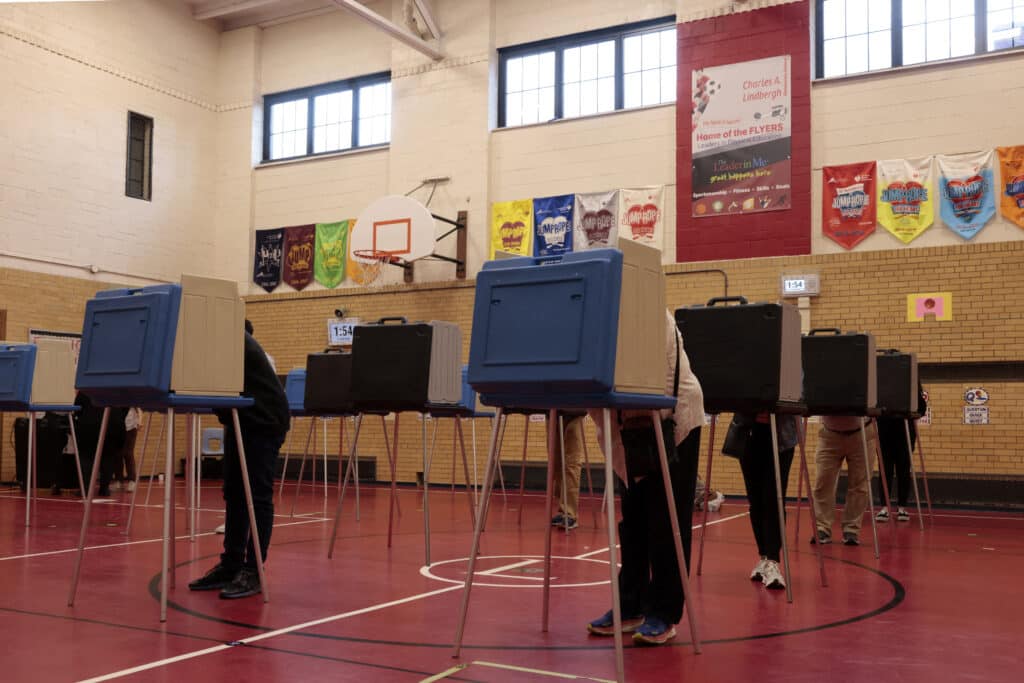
139	164
327	118
855	36
588	73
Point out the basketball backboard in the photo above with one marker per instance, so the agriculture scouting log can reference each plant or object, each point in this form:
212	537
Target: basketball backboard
393	225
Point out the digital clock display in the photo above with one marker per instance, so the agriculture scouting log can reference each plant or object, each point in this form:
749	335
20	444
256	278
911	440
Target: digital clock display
794	286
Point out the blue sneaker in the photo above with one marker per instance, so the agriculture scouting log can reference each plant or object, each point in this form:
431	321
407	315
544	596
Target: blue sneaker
654	631
604	624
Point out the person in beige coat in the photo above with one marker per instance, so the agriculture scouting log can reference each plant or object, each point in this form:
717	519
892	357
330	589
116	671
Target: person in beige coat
650	592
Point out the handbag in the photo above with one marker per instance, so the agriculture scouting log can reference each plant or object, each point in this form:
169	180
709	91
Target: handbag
737	440
640	446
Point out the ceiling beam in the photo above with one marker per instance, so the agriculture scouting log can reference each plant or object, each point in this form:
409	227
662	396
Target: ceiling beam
227	8
427	12
390	28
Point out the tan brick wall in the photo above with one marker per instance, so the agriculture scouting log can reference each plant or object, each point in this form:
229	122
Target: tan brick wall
860	291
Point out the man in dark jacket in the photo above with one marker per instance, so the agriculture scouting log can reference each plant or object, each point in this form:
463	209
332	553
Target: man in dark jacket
264	426
87	429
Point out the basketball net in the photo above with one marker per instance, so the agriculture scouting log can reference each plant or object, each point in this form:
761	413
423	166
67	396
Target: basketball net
367	272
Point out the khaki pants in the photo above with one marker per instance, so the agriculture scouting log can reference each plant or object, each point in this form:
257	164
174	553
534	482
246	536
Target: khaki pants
568	501
833	449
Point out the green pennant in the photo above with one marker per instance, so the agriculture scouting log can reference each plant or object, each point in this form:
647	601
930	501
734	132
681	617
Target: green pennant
331	253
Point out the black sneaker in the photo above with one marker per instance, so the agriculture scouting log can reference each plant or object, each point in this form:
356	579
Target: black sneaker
823	537
213	580
245	583
850	538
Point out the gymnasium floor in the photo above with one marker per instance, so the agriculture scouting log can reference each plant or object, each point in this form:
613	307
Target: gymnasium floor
941	605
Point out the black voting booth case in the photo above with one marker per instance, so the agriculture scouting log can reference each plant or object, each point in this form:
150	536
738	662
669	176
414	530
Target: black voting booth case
53	467
746	356
897	384
840	376
329	384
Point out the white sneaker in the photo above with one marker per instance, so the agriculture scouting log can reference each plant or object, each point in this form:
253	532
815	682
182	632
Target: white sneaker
715	503
883	515
902	515
771	577
758	572
115	486
219	530
129	487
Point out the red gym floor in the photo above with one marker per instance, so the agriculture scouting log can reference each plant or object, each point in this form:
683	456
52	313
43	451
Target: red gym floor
940	605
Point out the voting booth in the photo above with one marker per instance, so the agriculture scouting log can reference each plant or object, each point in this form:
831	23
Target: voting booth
897	383
328	389
840	372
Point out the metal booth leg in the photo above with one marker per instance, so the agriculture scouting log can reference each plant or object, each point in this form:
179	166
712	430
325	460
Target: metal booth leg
586	465
393	458
138	471
782	509
30	462
501	473
552	425
391	462
924	473
156	460
190	479
677	538
882	482
476	480
489	473
302	465
613	550
341	491
522	467
254	533
426	486
284	469
78	458
805	477
802	432
88	504
867	473
707	489
465	470
565	483
913	476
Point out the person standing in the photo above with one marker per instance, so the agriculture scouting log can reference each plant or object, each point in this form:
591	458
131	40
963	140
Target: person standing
840	439
568	491
263	426
892	439
124	462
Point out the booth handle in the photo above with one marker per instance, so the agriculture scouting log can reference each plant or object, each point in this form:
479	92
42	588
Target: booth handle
543	260
816	330
395	318
727	299
887	352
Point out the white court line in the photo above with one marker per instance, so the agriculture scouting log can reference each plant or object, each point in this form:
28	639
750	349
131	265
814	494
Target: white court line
159	506
148	540
345	615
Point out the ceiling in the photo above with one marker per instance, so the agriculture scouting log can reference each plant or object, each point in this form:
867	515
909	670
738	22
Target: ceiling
231	14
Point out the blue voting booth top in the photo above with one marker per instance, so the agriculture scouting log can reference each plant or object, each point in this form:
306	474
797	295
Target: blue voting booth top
546	325
295	390
17	369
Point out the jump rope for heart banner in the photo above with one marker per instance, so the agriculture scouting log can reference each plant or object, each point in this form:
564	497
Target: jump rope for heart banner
966	192
1011	189
512	227
906	201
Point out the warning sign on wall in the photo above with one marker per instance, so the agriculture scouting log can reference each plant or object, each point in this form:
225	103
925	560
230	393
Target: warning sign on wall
975	415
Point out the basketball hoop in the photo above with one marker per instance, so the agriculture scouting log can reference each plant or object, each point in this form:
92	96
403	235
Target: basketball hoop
367	264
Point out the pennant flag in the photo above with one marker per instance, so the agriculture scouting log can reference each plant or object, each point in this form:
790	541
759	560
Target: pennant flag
906	202
512	227
298	255
922	306
552	217
1011	195
354	269
331	252
266	268
641	215
595	220
848	203
967	199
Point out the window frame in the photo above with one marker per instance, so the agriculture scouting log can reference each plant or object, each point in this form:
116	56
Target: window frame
146	181
896	28
309	94
562	43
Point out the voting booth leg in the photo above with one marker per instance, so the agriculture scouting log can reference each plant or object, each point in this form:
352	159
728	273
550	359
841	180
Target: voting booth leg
804	476
302	465
707	489
613	550
501	474
351	468
476	480
29	466
924	474
341	491
489	472
586	466
782	509
867	465
284	470
552	439
426	488
78	458
199	470
802	434
677	538
88	505
156	458
254	533
171	505
882	482
393	460
913	476
190	480
465	470
522	467
138	476
455	446
565	485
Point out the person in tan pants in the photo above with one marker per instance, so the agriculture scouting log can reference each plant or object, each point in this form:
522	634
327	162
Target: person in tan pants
840	439
569	498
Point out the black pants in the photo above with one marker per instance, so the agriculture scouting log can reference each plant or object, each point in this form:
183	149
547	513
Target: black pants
758	467
649	581
261	451
895	461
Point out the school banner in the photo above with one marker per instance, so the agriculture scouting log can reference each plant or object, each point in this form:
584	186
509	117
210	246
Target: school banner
594	220
331	253
906	201
967	199
740	137
1011	190
848	203
552	217
266	267
512	227
641	214
299	242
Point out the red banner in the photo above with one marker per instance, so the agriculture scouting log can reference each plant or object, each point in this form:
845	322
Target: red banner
298	255
848	202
